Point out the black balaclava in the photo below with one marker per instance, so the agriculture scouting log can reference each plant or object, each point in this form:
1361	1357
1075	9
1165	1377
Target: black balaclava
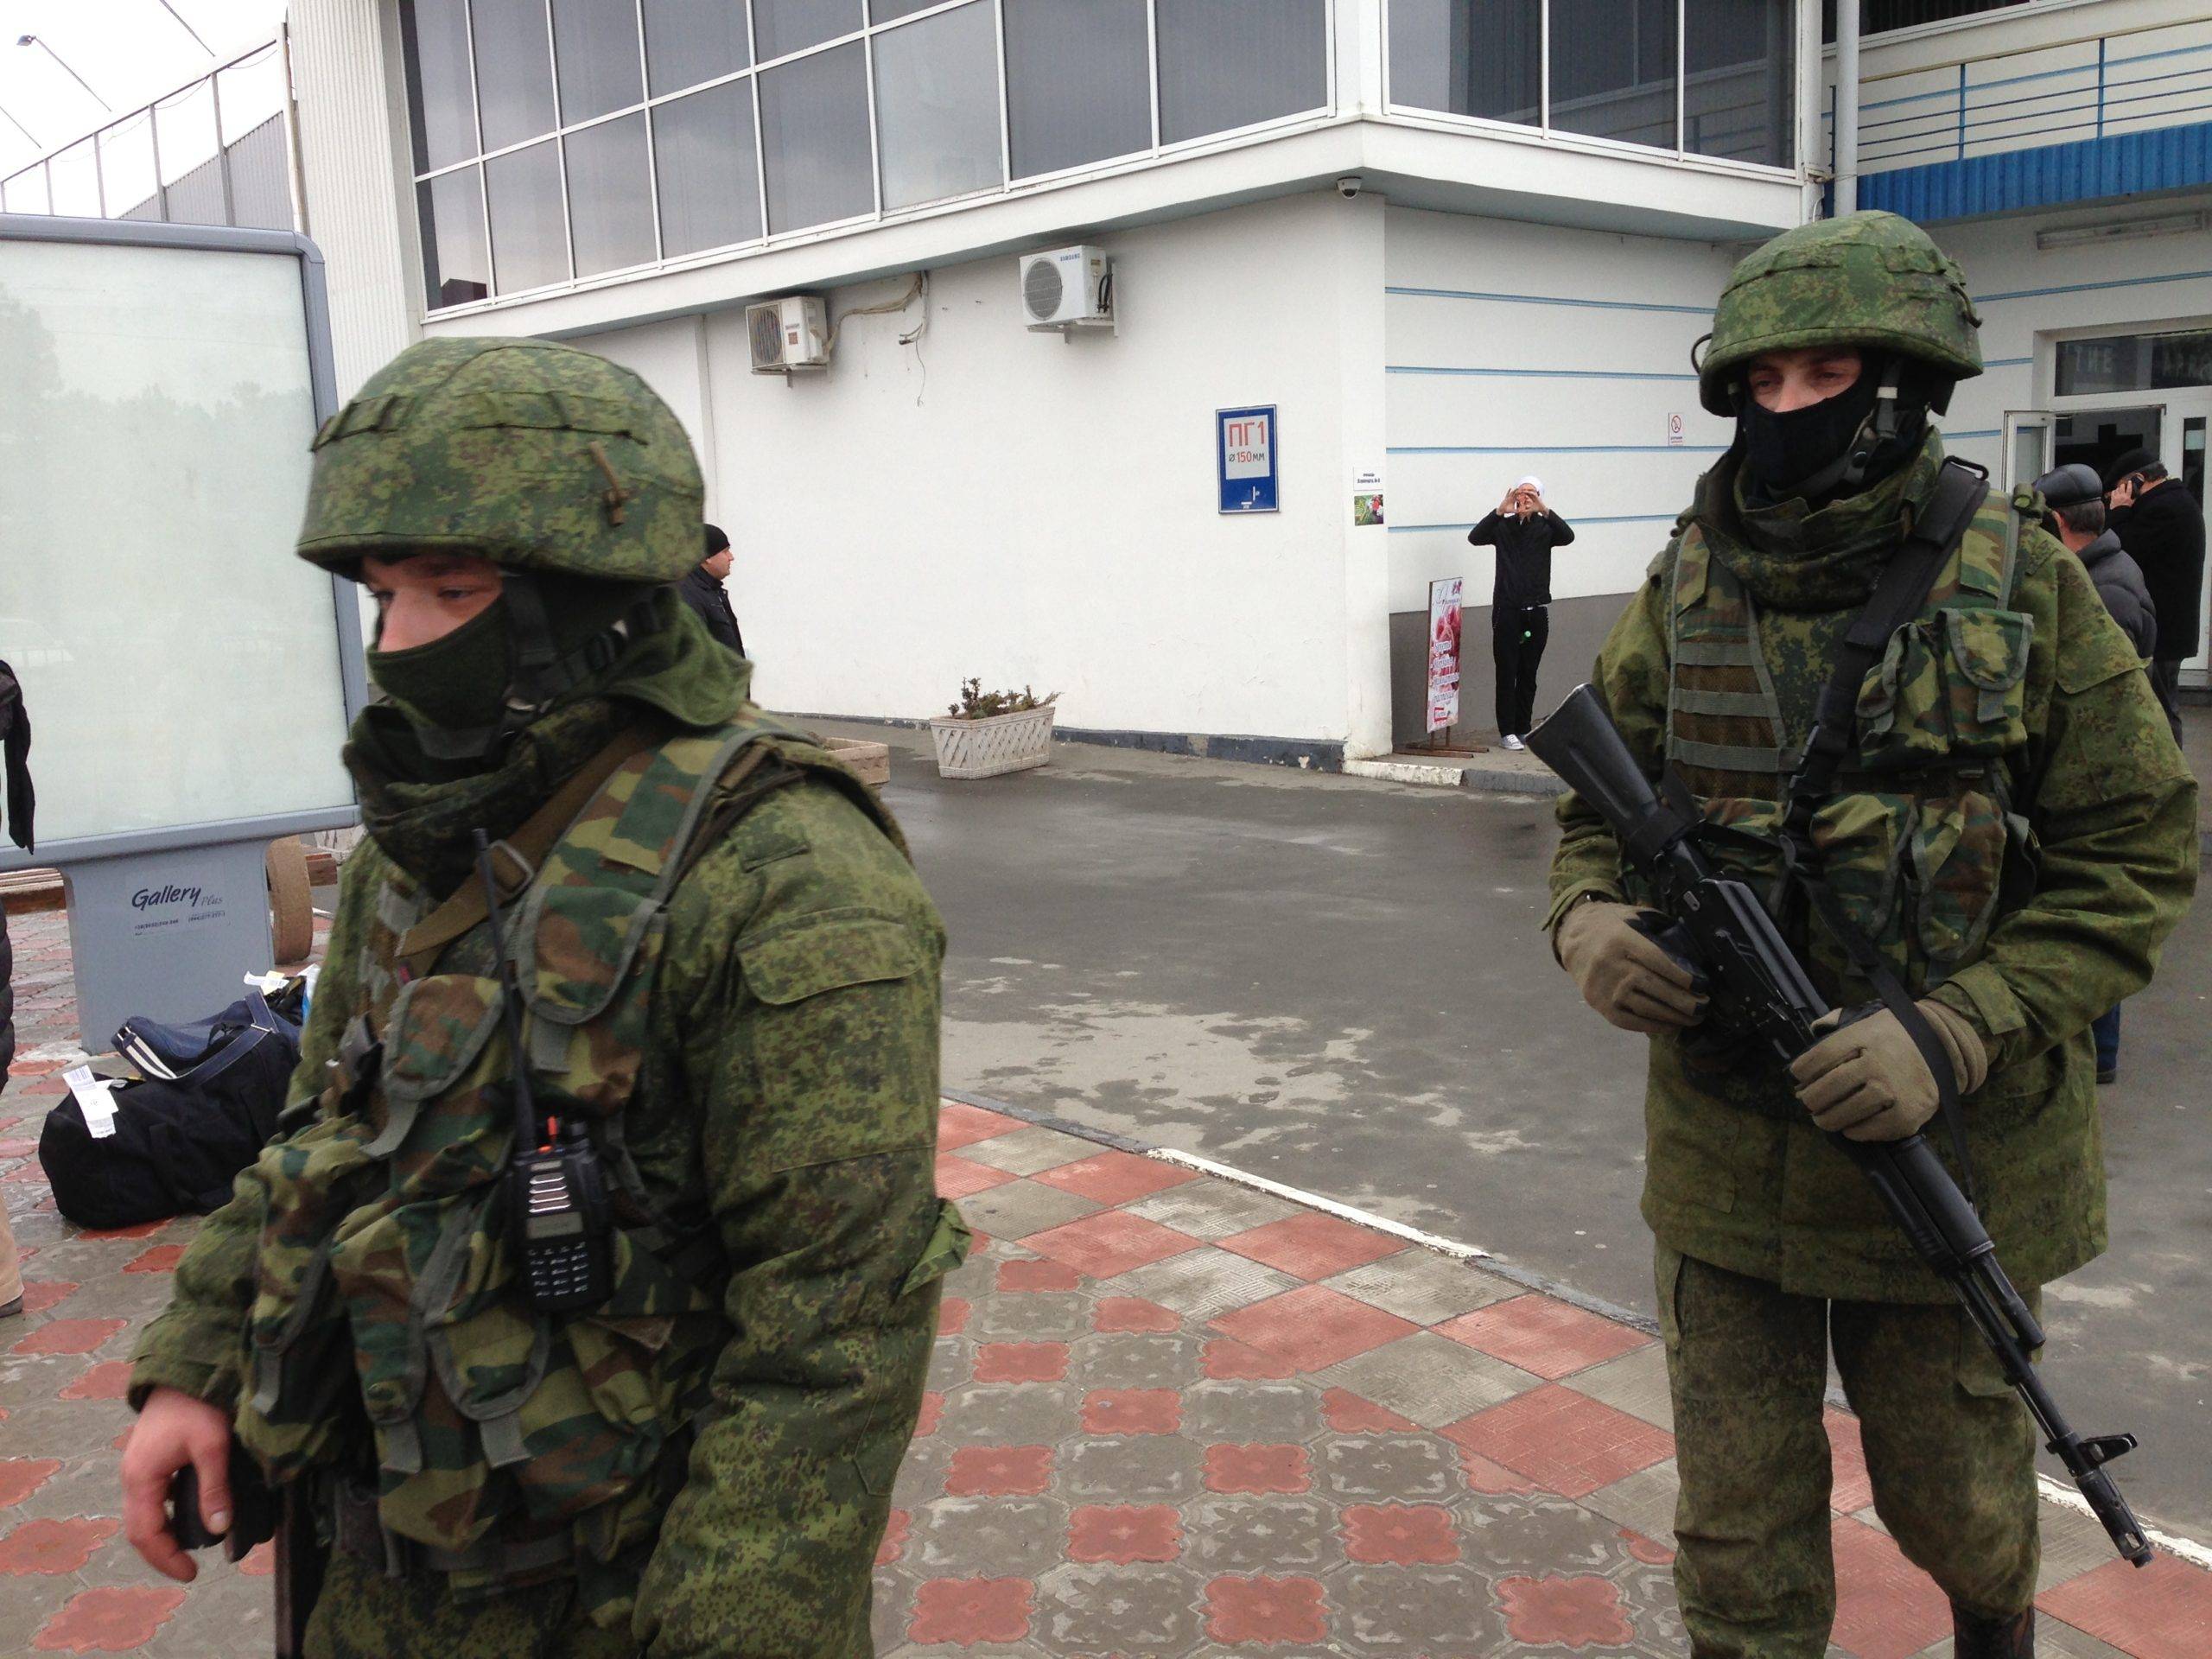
1839	446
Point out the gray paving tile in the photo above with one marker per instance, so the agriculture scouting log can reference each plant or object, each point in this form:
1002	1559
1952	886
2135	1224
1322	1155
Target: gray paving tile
1644	1502
1635	1383
1021	1208
1423	1287
1201	1285
1030	1150
1430	1379
1213	1209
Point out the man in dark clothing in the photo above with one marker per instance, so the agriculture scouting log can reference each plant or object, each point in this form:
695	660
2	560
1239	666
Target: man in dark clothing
2159	523
2075	496
1524	531
15	746
704	592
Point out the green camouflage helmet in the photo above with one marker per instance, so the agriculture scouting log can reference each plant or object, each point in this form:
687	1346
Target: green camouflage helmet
536	456
1870	280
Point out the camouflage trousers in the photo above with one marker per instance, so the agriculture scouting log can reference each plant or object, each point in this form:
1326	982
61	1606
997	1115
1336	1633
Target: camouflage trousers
1949	1449
361	1614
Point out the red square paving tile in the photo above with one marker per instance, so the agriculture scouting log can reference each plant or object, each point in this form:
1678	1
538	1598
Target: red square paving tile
1565	1441
2160	1611
962	1178
972	1612
1123	1533
963	1125
1115	1177
1109	1242
1313	1327
1540	1334
1313	1246
112	1619
1853	1489
1885	1607
68	1336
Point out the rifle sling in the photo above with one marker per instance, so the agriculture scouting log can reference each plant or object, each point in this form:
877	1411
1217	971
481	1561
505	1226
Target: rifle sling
1896	601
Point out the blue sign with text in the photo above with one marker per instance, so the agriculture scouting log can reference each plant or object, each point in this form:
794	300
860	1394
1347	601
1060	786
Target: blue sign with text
1244	444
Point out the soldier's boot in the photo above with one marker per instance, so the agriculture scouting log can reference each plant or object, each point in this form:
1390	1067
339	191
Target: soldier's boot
1974	1636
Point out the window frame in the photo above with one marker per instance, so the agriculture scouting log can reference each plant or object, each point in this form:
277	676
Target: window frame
1152	154
1543	132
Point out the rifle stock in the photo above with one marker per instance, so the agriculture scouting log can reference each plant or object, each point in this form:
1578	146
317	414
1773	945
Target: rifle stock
1719	928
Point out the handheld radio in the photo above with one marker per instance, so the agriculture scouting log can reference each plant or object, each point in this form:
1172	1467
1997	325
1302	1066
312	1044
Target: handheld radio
557	1193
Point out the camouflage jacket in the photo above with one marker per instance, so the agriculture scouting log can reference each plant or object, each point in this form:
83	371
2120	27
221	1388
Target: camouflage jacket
788	1096
2105	820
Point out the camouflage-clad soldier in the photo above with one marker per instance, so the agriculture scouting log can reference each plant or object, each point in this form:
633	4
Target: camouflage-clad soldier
730	974
2014	830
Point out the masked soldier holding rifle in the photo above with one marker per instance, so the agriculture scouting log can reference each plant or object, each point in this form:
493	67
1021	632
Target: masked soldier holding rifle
582	1304
1907	722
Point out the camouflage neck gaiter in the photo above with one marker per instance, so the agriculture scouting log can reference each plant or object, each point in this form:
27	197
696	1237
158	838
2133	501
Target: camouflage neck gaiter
1790	556
422	811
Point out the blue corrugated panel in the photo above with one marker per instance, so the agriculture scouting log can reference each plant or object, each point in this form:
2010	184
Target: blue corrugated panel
2090	170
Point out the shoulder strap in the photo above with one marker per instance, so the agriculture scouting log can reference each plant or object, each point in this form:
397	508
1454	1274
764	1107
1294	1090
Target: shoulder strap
1898	597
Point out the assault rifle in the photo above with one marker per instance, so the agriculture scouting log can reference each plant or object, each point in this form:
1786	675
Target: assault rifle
1716	927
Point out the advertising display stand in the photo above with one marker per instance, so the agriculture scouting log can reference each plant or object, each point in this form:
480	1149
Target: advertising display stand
188	682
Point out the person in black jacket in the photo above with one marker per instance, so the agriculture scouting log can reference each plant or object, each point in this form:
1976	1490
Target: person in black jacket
1524	531
2157	521
704	592
2074	497
15	746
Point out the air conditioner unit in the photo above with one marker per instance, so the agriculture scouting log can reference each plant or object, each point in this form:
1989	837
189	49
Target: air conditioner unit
1066	288
791	332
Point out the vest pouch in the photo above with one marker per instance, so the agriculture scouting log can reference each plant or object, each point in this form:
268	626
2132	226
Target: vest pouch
1860	841
1989	664
1958	852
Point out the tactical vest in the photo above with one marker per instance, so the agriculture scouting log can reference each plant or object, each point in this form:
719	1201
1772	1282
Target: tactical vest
1915	837
502	1436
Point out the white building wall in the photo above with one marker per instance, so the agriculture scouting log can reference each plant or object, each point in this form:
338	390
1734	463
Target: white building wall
1517	348
989	502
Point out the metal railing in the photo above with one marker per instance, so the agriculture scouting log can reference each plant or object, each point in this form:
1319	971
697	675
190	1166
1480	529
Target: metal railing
2092	87
221	150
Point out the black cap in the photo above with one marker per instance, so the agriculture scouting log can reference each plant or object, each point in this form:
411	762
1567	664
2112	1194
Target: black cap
715	540
2135	460
2070	485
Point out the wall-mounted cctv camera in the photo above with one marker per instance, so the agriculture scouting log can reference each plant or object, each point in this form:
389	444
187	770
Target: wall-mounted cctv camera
1350	185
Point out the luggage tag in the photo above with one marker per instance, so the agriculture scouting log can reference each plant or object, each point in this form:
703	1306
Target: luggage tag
95	1099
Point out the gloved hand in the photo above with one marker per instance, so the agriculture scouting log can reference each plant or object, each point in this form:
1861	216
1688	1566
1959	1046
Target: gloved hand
1621	973
1868	1079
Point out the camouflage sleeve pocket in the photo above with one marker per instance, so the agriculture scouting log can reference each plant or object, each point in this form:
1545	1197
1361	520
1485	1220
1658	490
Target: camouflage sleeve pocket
824	953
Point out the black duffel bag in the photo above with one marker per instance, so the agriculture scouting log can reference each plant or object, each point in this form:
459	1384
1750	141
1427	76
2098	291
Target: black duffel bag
178	1142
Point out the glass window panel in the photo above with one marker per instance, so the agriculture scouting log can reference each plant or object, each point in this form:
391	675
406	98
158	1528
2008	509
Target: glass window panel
1739	88
702	156
690	41
610	199
596	55
783	26
1230	63
1613	69
454	266
441	107
127	167
514	71
26	193
1078	82
76	181
1468	57
814	129
186	126
936	106
530	242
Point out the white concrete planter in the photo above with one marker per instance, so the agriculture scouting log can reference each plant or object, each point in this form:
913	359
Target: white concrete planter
984	748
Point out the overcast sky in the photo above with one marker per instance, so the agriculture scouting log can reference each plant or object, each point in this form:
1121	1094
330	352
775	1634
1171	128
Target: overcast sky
130	51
